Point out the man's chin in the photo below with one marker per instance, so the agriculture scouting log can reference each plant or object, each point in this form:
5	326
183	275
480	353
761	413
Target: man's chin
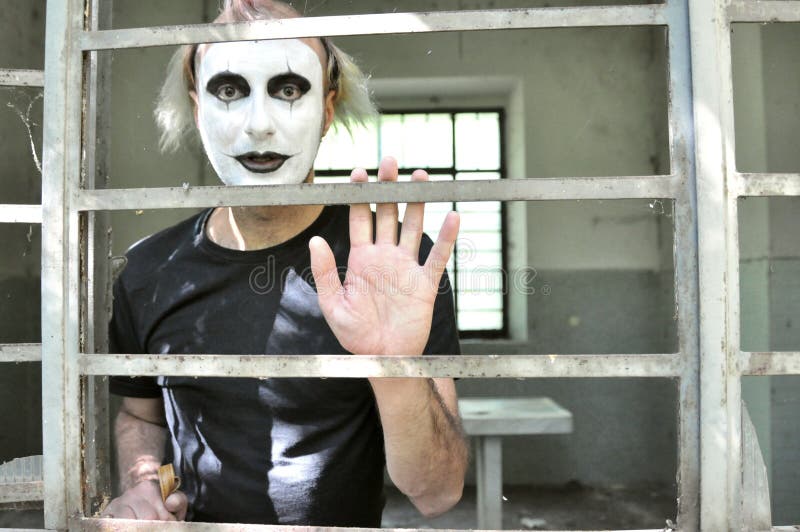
257	179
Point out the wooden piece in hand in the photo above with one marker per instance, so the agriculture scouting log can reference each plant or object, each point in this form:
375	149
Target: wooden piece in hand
168	481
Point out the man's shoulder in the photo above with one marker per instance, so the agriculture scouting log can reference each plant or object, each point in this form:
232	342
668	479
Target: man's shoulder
160	248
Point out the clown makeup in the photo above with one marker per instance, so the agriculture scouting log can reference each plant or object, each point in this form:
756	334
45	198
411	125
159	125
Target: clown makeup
260	110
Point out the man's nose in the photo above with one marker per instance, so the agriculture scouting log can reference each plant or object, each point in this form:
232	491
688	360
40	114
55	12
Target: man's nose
260	124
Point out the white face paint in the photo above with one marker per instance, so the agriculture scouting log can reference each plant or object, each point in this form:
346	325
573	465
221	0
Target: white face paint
260	110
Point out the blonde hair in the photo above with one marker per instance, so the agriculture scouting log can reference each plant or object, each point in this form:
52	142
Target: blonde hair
174	111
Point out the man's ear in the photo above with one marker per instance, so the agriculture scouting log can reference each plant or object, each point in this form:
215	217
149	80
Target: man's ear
330	107
195	99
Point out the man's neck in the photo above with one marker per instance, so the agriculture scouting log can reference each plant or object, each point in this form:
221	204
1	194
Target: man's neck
251	228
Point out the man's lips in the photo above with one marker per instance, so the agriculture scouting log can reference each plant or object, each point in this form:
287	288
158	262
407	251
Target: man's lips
262	163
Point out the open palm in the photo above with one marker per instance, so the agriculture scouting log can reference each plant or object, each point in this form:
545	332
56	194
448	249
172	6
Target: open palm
385	305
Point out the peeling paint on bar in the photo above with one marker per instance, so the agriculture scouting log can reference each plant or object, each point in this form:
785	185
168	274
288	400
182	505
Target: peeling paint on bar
20	214
348	366
770	363
377	24
21	492
21	78
648	187
764	11
768	184
120	525
20	353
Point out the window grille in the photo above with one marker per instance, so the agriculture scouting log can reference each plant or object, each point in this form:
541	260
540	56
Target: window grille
455	145
704	184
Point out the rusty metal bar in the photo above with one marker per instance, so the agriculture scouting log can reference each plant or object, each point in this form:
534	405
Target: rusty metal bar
651	187
769	363
682	162
767	184
21	492
20	353
764	11
377	24
349	366
20	214
21	78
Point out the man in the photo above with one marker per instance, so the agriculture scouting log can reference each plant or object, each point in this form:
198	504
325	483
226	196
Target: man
236	280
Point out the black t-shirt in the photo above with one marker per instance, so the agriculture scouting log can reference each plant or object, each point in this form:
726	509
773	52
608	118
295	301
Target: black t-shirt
297	451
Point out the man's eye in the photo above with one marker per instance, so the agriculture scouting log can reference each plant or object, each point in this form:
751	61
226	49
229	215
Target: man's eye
289	93
229	93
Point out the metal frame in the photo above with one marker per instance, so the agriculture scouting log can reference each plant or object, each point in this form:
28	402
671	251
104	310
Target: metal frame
704	195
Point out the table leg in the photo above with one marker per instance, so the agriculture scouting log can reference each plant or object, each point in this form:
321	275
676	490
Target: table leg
489	470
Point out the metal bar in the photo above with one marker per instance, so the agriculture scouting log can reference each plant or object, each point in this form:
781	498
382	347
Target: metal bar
21	492
651	187
376	24
61	420
21	78
682	162
768	185
348	366
97	252
20	214
770	363
720	395
20	353
764	11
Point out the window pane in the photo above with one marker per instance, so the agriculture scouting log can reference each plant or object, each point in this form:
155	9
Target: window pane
474	320
480	301
418	140
477	141
341	150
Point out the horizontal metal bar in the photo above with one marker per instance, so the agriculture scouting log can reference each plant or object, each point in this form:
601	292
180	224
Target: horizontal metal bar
20	214
21	492
21	78
764	11
349	366
770	363
88	524
377	24
768	184
20	352
650	187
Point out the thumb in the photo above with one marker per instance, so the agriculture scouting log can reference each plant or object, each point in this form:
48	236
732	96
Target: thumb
326	276
176	504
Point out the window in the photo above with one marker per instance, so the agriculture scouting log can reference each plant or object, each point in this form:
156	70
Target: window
461	145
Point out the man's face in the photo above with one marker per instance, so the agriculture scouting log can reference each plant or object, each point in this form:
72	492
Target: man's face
260	110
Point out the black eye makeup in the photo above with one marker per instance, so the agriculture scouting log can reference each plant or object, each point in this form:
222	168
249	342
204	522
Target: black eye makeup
288	87
228	87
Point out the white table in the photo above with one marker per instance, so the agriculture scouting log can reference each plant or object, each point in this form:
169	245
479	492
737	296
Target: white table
487	420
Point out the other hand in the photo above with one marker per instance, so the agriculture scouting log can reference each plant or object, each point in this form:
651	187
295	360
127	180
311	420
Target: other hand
143	502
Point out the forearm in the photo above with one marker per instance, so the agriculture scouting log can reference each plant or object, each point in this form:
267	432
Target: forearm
426	451
140	449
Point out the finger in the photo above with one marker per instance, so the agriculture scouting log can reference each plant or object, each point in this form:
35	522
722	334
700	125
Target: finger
360	215
142	509
386	232
413	220
177	504
326	276
440	253
116	510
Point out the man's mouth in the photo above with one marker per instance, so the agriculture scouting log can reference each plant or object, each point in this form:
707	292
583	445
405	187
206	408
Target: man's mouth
262	163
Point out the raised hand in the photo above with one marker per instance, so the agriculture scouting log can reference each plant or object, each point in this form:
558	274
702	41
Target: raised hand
385	305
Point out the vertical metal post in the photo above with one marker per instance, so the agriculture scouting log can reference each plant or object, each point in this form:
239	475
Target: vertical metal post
60	264
685	256
97	251
720	399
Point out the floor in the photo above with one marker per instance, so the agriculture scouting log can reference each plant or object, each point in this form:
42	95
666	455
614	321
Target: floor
569	507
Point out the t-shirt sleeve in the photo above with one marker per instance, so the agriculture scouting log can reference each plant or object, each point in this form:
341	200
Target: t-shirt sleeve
443	339
122	338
